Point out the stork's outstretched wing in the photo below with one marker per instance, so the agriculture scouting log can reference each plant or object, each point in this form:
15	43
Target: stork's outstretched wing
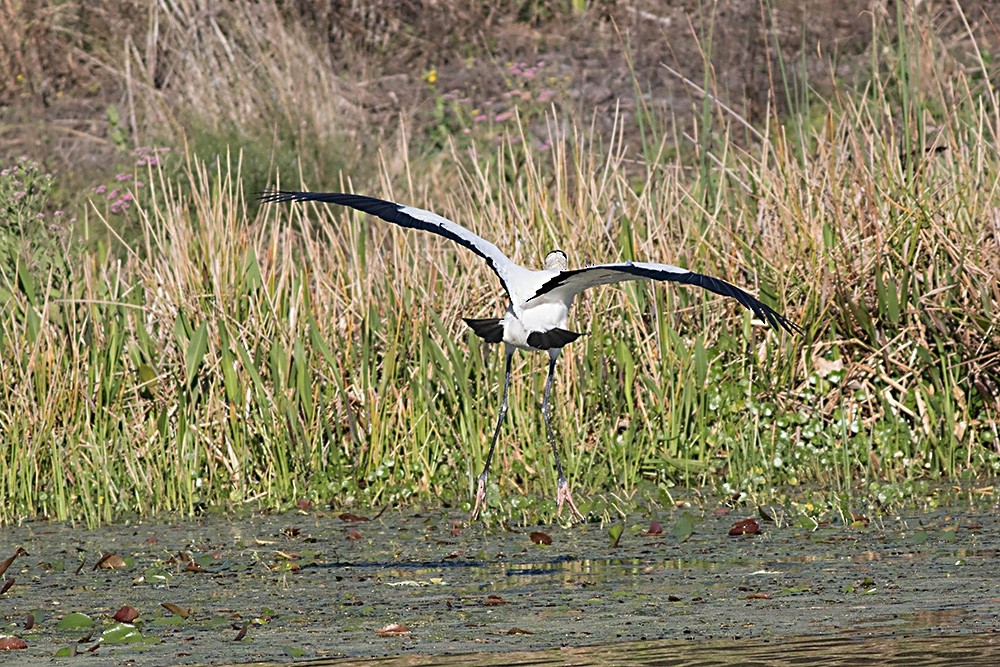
415	218
570	283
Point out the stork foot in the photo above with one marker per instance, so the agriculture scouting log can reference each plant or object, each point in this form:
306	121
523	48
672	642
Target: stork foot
480	498
564	497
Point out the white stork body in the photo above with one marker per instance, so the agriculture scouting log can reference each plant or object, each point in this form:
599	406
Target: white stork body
539	300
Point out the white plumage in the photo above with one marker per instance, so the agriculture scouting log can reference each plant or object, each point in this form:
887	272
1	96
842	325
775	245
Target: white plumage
539	301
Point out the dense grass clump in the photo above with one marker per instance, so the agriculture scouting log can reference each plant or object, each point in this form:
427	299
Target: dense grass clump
220	353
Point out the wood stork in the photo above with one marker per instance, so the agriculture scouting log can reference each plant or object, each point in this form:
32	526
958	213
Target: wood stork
539	302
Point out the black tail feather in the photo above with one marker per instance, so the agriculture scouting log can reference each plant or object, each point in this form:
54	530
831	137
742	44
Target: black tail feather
545	340
489	329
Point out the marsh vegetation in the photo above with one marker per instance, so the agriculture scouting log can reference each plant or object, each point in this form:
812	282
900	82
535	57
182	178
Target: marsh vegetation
166	345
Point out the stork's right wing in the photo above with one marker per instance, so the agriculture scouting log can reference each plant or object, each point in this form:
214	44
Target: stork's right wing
567	284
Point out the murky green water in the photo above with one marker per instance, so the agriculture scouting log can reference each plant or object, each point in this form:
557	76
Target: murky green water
310	586
828	650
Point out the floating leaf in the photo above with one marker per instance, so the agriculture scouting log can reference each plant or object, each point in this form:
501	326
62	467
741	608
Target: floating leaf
654	528
157	574
110	561
392	630
495	601
12	644
6	586
126	614
539	537
176	609
519	631
745	527
683	528
66	651
807	522
353	534
758	596
75	621
122	633
347	517
615	534
294	651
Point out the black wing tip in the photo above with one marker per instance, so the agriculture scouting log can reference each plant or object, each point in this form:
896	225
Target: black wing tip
763	311
779	322
275	196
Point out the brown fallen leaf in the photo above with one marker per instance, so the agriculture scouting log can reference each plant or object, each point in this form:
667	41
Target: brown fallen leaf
242	633
353	534
758	596
392	630
193	567
745	527
110	561
519	631
494	601
654	528
29	621
179	557
305	504
456	528
8	561
6	585
126	614
539	537
176	609
12	644
347	517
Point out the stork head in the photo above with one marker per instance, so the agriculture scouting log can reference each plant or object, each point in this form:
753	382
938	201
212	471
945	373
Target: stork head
556	261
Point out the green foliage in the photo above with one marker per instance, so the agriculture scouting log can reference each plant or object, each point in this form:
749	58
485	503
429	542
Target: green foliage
219	354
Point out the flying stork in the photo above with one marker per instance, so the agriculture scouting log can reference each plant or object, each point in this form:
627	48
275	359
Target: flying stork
539	302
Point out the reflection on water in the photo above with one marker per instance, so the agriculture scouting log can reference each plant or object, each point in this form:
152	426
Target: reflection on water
607	566
869	651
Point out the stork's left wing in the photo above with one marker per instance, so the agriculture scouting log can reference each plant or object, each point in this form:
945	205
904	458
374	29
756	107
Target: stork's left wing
511	274
567	284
